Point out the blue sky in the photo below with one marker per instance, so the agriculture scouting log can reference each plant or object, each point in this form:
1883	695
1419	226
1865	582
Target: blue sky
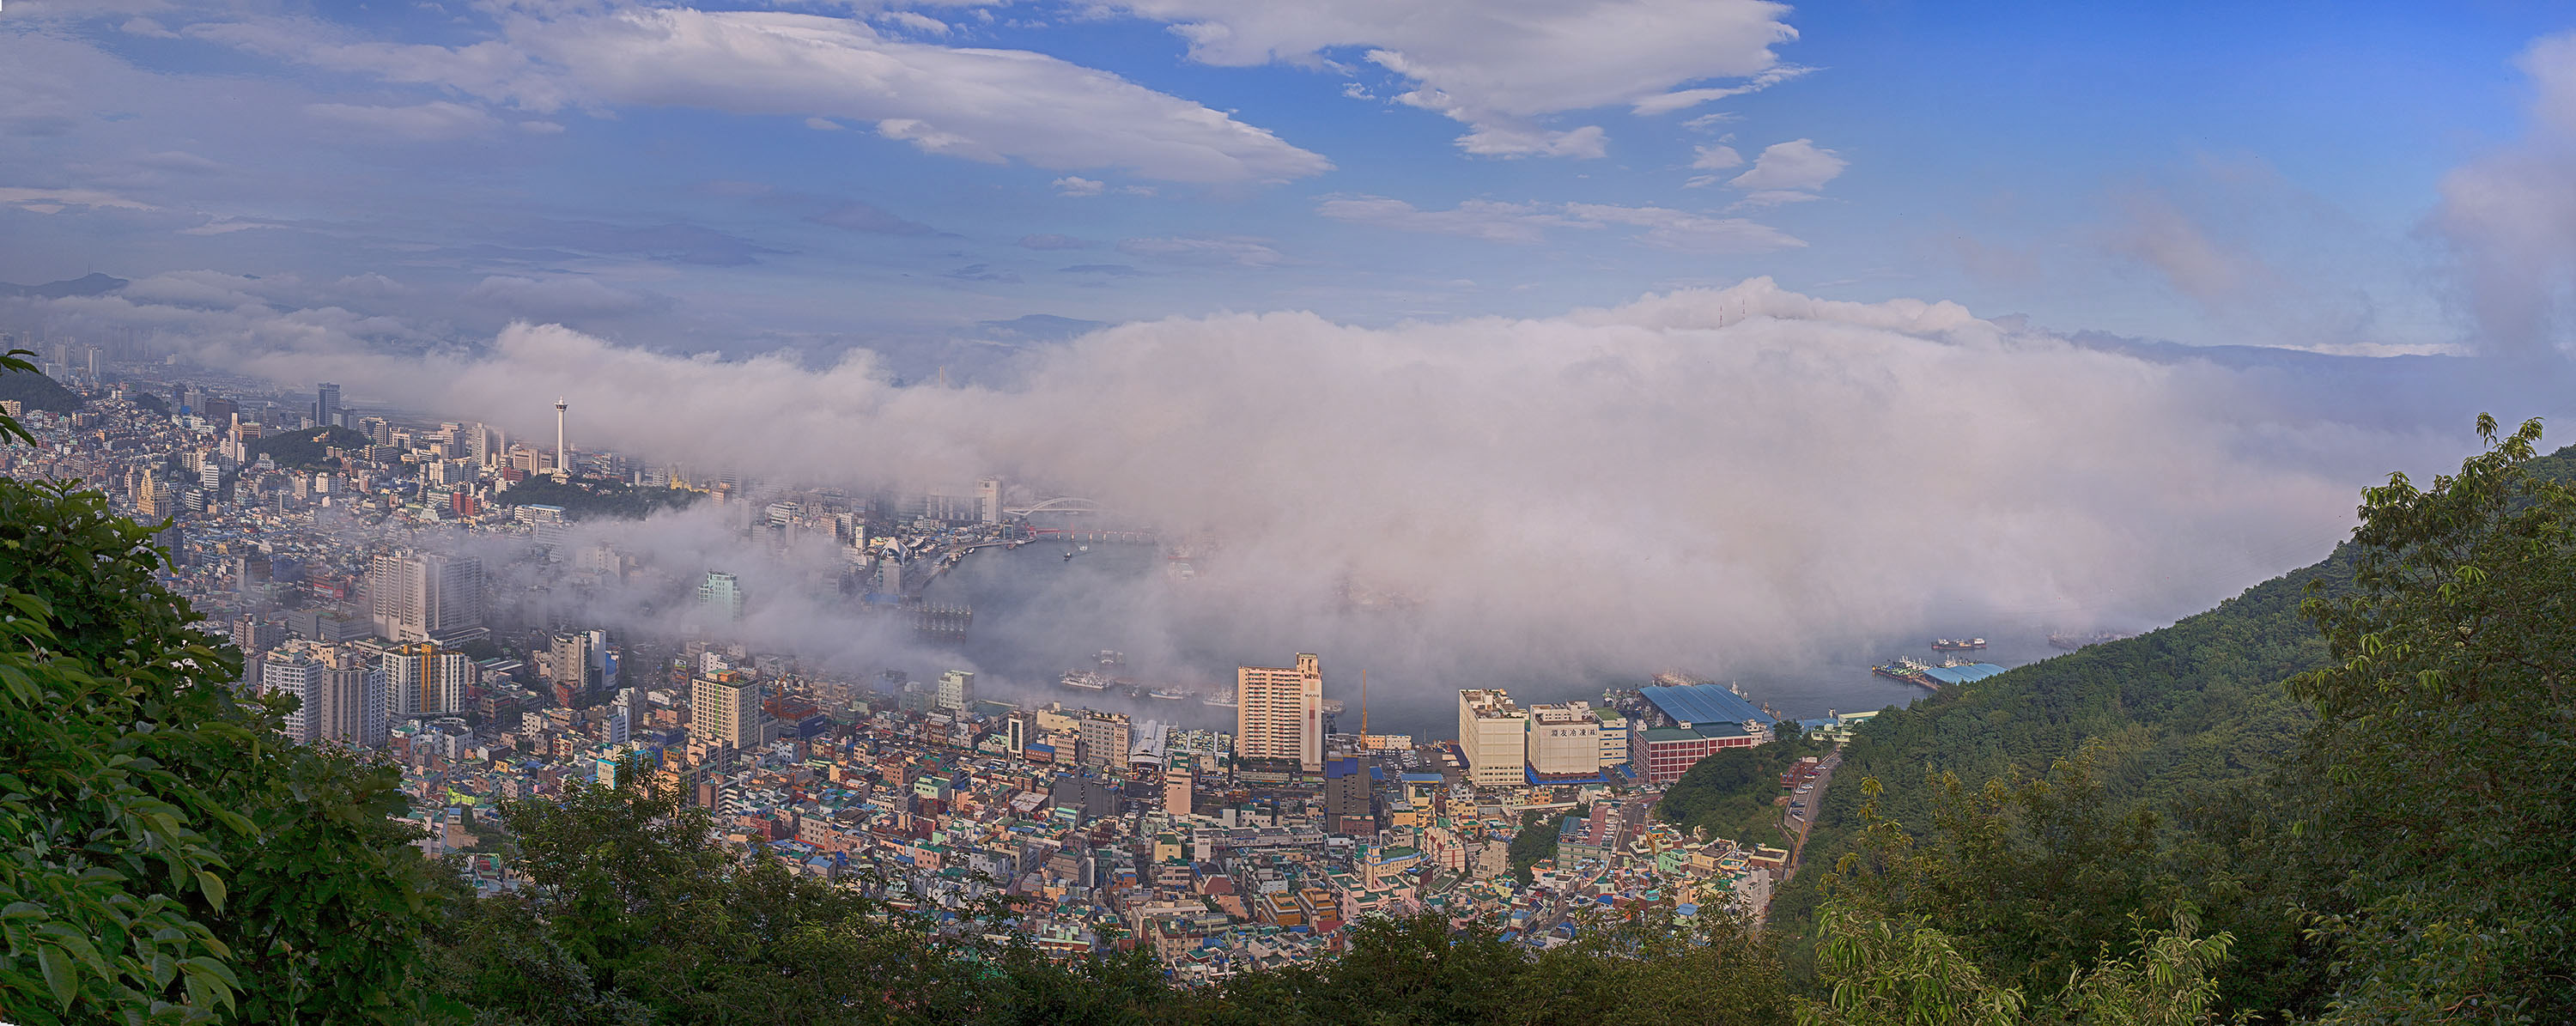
746	175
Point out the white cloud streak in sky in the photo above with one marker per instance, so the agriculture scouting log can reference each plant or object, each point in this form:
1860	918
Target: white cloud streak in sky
1501	65
977	104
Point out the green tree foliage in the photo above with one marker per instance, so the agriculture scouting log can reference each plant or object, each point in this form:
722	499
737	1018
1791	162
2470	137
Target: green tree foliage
30	387
309	448
1654	968
2182	733
594	497
1879	972
167	857
1734	793
2447	746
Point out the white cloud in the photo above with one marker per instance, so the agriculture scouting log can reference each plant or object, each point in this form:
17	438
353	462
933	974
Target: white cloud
824	124
141	26
915	21
1716	158
986	105
1772	198
1238	250
436	121
1797	164
1501	65
559	297
51	200
2509	218
1689	232
1076	185
222	224
1681	99
1475	219
1694	479
1528	222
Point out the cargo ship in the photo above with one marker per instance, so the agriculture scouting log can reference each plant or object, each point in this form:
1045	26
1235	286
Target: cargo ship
1957	644
1085	680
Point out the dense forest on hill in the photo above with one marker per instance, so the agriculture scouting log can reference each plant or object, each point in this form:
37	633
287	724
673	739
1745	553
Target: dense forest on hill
586	497
2156	831
38	392
309	448
1734	793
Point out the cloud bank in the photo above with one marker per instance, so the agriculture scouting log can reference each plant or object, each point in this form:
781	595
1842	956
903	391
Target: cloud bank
1714	479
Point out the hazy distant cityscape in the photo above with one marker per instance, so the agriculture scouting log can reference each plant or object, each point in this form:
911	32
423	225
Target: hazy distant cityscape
420	589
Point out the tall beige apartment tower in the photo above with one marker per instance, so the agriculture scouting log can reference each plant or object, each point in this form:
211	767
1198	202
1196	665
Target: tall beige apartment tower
726	708
1279	713
1490	735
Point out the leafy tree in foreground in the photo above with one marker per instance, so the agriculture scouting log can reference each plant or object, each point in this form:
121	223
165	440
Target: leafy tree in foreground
2448	744
164	856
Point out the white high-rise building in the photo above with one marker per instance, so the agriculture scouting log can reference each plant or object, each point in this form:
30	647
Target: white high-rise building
956	690
425	596
299	675
1490	729
1279	713
720	595
988	500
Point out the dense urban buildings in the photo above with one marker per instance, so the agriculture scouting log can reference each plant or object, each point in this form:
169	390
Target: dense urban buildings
338	565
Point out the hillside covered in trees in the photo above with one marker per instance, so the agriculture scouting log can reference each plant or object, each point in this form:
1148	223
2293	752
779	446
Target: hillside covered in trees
2344	796
309	448
34	391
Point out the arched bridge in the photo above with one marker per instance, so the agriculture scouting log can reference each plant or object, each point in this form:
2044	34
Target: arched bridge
1064	504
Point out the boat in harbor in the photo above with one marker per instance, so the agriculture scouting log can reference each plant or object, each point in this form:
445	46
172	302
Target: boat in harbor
1957	644
1168	694
1906	670
1084	680
1221	700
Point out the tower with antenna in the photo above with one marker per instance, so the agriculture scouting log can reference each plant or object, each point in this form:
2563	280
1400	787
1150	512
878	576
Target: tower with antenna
562	468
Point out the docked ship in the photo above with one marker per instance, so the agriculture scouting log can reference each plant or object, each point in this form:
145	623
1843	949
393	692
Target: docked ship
1222	700
1906	670
1957	644
1168	694
1084	680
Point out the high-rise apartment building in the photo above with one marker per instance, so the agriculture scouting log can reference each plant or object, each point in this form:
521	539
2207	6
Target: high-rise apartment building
720	597
331	686
426	597
300	676
347	701
326	404
578	662
1104	740
1279	713
423	679
1490	734
725	708
956	690
988	500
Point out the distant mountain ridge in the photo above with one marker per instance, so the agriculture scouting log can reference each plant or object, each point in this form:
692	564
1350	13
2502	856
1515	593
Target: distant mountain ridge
95	283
